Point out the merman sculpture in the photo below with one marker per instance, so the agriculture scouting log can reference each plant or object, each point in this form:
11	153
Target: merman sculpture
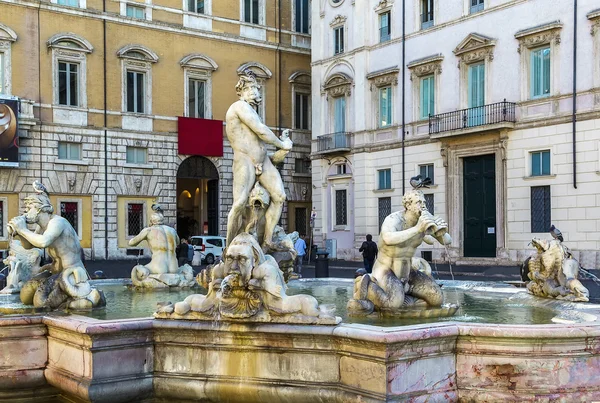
401	285
163	270
64	282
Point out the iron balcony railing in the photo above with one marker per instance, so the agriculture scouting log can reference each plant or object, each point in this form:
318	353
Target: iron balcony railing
333	141
473	117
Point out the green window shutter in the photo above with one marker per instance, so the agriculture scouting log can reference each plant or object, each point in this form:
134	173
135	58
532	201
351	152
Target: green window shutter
545	162
536	164
427	97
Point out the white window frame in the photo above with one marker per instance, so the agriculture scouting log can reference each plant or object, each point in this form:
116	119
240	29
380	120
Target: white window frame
483	6
306	92
68	143
418	171
4	235
135	73
75	54
207	7
382	169
198	67
81	4
301	83
261	13
146	5
7	37
420	12
340	186
188	90
419	69
527	155
127	202
379	14
391	105
335	38
294	18
79	212
78	86
533	39
137	148
131	62
420	115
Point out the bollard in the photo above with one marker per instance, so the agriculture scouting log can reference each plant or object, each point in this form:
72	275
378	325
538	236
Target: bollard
322	263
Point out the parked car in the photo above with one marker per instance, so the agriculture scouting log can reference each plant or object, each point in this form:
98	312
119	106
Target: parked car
210	247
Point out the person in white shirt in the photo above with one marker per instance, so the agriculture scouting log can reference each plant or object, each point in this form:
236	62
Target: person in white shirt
300	247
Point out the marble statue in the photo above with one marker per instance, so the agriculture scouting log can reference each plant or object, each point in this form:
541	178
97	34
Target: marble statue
64	282
553	272
247	286
163	270
22	264
249	138
401	285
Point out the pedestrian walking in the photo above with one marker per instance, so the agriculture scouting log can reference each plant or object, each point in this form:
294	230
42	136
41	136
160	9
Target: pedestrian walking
182	252
369	252
300	247
190	256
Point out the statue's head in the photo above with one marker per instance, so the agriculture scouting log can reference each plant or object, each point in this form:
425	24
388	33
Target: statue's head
36	204
156	218
248	89
414	202
243	254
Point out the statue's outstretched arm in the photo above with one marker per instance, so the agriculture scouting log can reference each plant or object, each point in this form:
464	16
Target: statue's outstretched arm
250	118
139	237
398	238
43	240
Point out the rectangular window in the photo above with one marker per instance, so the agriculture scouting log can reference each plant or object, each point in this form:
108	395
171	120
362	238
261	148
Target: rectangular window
71	3
429	202
385	28
301	111
135	91
137	155
476	5
68	83
540	72
251	11
196	6
196	98
135	12
476	97
300	220
426	171
302	166
69	211
340	115
540	163
69	151
338	40
540	209
384	207
135	218
340	169
426	13
301	10
341	208
427	97
385	178
385	106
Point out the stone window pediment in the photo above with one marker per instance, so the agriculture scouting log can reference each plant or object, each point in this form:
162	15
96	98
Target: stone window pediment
383	5
137	52
338	84
70	42
7	34
300	78
594	17
198	61
426	66
260	70
539	35
338	20
475	48
384	77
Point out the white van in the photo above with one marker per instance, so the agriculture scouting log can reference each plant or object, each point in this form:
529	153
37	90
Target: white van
209	247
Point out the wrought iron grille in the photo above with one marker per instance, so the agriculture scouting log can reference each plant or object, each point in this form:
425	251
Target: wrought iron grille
473	117
135	218
68	210
333	141
429	202
540	209
341	208
300	219
384	209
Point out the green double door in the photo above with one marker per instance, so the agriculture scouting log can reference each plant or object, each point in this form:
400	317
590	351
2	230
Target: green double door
479	206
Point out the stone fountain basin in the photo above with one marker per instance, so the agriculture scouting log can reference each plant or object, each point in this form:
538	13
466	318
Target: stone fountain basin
45	357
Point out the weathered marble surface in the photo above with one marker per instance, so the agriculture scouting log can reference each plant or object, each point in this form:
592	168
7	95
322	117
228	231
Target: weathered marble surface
119	361
22	265
163	270
553	272
401	284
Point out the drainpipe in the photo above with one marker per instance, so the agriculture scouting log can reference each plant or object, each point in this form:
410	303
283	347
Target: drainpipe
403	94
279	65
105	135
39	28
575	94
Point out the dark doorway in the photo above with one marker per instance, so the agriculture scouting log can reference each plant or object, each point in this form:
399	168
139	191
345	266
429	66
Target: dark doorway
197	198
480	206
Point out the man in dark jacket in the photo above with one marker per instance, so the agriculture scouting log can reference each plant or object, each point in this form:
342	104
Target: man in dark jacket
369	252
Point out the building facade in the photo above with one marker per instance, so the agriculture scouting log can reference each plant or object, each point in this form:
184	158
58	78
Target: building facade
485	97
122	105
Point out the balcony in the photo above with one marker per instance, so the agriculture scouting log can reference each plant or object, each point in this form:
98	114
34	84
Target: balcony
333	143
500	115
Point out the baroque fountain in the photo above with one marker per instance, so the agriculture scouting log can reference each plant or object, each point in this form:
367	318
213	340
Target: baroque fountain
255	337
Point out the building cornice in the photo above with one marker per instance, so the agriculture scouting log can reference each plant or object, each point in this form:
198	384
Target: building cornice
539	35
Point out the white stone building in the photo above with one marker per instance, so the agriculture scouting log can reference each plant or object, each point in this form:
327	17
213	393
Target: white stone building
497	78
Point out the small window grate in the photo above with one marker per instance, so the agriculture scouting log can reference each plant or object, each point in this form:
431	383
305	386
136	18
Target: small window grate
341	206
429	202
135	218
540	209
68	210
385	209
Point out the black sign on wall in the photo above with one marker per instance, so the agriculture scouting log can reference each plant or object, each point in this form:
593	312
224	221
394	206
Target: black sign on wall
9	132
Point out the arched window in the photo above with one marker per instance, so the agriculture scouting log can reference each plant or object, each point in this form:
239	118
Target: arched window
136	62
7	37
198	70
